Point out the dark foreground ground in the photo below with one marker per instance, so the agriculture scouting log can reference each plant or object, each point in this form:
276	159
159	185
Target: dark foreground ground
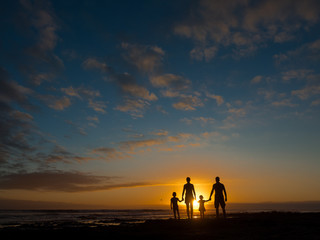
272	225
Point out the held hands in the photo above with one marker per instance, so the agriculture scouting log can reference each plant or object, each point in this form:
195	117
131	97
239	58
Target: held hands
225	199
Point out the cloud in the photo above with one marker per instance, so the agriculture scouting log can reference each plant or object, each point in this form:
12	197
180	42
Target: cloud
21	116
303	55
284	103
175	86
188	103
300	74
204	120
135	96
98	106
206	53
40	63
13	92
132	145
244	26
306	92
257	79
219	99
315	102
18	132
63	181
144	58
135	107
60	104
170	81
94	64
139	91
161	132
108	154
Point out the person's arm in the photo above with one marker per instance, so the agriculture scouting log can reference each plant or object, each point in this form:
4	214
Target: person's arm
194	192
184	188
225	193
171	204
211	193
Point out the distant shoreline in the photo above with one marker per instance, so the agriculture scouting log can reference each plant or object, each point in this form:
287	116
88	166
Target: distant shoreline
13	204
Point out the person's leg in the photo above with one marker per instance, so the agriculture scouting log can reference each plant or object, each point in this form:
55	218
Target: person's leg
178	213
224	212
191	209
174	213
217	212
187	204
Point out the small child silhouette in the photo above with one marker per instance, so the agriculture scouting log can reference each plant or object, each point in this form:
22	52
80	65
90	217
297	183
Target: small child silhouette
174	205
201	206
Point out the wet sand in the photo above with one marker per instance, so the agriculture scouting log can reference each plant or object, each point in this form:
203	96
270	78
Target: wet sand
272	225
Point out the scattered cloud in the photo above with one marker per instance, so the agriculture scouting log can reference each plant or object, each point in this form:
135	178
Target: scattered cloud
161	132
315	102
284	103
63	181
170	81
60	104
244	26
135	107
257	79
188	103
307	92
106	153
202	120
135	96
98	106
94	64
139	91
145	58
219	99
300	74
40	62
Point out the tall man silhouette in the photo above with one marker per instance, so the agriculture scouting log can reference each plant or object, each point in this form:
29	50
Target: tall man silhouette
190	196
218	197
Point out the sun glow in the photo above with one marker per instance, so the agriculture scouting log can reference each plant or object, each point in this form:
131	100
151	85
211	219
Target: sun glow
195	204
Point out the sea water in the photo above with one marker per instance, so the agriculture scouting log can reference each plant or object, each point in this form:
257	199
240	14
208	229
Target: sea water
16	218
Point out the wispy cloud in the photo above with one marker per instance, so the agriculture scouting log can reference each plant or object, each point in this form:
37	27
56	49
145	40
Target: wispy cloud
170	81
145	58
135	96
42	63
188	103
219	99
63	181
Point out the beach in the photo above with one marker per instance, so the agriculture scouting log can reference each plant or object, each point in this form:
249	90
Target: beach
262	225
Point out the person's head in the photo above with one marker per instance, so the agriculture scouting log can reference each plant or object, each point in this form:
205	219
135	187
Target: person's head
201	197
217	179
188	179
174	194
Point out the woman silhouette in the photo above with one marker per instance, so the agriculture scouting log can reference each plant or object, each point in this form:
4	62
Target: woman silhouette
190	196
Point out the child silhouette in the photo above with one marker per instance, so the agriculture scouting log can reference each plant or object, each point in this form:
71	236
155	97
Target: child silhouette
201	206
174	205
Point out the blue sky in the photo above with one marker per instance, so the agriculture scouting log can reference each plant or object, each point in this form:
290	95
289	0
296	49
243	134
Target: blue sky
100	96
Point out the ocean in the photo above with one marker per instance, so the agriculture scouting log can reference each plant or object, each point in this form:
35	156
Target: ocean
103	217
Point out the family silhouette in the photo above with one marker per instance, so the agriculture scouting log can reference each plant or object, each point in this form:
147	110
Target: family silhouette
189	195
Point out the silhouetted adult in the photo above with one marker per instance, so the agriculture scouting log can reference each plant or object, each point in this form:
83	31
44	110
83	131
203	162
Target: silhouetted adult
218	197
190	196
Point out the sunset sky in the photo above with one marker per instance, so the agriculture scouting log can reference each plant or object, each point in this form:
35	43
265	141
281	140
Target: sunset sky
115	103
